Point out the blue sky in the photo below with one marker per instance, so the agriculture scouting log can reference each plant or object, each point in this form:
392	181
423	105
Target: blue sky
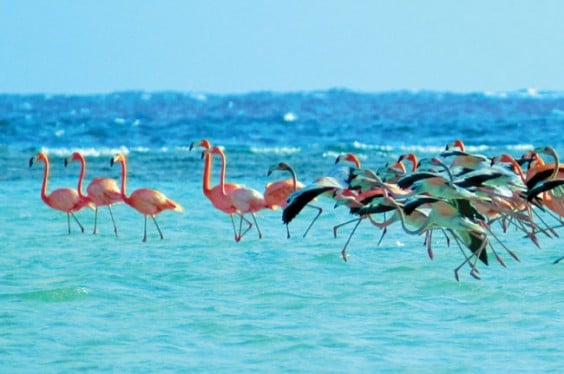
235	46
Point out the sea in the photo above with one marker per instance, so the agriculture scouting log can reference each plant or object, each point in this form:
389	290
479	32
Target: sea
198	301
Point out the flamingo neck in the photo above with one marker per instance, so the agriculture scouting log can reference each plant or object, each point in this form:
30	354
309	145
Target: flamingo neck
294	178
44	196
222	174
123	180
206	185
556	165
413	158
406	229
81	177
517	168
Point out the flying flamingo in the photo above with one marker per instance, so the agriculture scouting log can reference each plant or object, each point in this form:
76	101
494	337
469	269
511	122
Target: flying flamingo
338	179
146	201
64	199
101	191
243	199
214	194
276	193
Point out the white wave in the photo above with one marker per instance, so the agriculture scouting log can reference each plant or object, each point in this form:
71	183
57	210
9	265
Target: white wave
276	150
421	148
86	152
520	147
363	146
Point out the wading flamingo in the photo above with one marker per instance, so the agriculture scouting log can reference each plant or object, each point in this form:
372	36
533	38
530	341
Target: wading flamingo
146	201
64	199
243	199
101	191
276	193
214	194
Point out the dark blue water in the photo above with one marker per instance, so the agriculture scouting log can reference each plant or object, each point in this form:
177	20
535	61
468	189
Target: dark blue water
198	301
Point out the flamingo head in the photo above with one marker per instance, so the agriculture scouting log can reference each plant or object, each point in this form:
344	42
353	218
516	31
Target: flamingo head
213	150
118	158
456	144
204	143
76	156
349	157
41	156
278	166
408	156
502	158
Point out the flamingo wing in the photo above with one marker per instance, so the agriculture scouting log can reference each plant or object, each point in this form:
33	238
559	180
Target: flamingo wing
104	191
64	199
301	198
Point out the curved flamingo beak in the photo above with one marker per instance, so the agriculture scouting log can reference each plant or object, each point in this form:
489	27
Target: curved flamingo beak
31	161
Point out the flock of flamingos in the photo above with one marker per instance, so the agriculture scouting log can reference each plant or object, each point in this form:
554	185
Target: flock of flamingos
459	194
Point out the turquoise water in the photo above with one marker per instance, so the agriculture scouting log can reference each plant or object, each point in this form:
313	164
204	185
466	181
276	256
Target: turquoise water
198	301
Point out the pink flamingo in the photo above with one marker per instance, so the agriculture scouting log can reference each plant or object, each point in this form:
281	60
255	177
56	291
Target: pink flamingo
146	201
243	199
101	191
64	199
276	193
215	194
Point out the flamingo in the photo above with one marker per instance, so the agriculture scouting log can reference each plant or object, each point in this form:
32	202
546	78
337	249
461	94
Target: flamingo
64	199
410	157
448	216
553	196
146	201
215	194
101	191
456	144
243	199
338	179
276	193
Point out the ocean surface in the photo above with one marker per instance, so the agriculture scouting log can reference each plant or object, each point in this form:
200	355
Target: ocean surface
198	301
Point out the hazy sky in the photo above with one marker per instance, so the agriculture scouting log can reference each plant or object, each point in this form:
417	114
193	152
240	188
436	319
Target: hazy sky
233	46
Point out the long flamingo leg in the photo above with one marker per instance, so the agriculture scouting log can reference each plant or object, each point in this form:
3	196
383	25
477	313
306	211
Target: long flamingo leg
558	260
113	220
95	219
319	211
158	228
250	225
335	228
257	225
78	223
145	230
236	235
344	250
68	222
384	231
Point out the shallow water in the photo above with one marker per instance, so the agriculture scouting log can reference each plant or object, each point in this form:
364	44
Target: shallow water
199	301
